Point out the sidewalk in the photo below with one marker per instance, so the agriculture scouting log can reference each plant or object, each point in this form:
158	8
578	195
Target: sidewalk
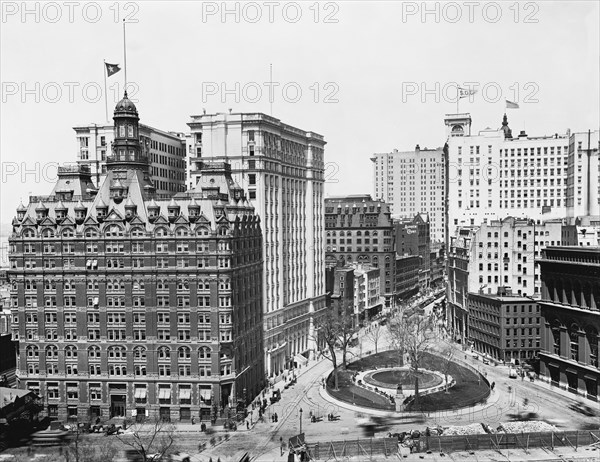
253	418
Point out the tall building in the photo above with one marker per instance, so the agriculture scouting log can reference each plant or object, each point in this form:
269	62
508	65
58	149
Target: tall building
130	306
437	264
504	327
498	257
412	237
493	175
282	169
571	319
360	229
413	182
166	152
406	279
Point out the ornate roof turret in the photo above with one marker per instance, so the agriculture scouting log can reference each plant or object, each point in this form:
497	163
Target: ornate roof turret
125	106
21	207
507	131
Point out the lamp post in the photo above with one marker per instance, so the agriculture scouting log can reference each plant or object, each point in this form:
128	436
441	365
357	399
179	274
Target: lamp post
300	420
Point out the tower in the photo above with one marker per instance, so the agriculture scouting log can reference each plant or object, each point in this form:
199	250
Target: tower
458	124
128	160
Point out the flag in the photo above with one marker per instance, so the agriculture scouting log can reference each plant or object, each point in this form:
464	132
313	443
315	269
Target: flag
112	69
464	92
511	105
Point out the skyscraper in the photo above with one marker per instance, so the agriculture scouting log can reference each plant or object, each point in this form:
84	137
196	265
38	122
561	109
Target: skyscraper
282	169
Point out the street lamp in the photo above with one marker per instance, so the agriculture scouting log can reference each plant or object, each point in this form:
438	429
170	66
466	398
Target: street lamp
300	420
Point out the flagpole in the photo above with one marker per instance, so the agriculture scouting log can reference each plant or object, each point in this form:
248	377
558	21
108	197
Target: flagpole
271	86
105	93
124	59
457	98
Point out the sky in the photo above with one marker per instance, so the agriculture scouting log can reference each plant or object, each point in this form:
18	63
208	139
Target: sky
368	76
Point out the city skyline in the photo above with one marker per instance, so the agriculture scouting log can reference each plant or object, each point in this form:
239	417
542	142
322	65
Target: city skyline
402	113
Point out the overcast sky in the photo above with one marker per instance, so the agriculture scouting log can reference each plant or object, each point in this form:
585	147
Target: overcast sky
362	69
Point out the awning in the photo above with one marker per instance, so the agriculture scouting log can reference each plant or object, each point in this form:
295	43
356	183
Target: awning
571	370
140	393
301	360
185	393
205	393
164	393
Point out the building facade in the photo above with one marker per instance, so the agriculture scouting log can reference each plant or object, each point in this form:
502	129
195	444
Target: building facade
437	265
582	231
412	237
571	319
282	168
166	152
129	306
367	292
359	229
504	327
406	277
413	182
457	317
493	175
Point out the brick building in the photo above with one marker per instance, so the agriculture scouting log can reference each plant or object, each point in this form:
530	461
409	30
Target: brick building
360	229
131	306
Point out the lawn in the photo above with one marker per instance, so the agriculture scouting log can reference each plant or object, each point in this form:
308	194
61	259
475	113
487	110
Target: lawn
467	391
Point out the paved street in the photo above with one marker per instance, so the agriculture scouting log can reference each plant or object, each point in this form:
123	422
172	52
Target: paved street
263	440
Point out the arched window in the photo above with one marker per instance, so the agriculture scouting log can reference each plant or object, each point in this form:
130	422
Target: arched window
139	353
184	353
70	352
28	233
137	232
574	341
204	353
164	353
91	232
223	230
117	352
359	233
555	328
52	352
48	233
33	351
113	231
161	232
182	231
68	232
93	352
203	231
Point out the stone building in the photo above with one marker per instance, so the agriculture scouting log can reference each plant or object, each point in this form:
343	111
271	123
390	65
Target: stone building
570	310
131	306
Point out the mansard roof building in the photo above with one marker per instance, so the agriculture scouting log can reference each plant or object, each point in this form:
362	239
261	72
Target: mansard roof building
130	304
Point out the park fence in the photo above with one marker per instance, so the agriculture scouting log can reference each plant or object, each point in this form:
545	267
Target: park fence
368	447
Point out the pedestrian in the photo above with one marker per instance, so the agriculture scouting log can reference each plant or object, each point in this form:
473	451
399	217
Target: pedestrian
248	426
281	445
493	385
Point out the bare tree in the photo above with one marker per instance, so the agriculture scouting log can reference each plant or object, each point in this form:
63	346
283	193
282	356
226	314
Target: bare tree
374	334
336	332
155	437
448	357
413	335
